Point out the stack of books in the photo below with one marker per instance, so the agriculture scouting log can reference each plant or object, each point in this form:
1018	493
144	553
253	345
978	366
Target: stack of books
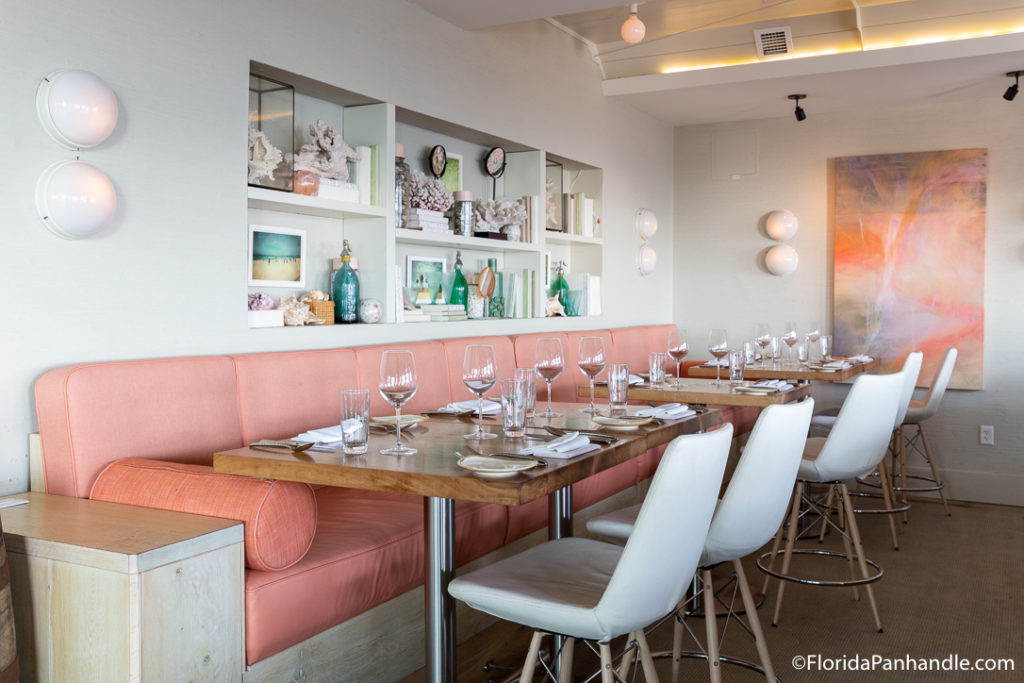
443	312
578	214
426	220
414	315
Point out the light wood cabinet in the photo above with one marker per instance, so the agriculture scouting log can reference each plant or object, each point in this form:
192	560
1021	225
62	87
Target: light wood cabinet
108	592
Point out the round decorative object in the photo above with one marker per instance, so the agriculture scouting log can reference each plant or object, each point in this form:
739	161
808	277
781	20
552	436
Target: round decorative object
370	311
781	259
438	160
77	108
485	281
494	162
646	260
306	182
781	225
74	199
646	224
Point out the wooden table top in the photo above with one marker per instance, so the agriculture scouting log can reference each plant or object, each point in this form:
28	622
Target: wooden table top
703	392
801	374
433	470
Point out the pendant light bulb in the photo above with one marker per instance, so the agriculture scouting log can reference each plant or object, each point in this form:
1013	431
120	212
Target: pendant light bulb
633	30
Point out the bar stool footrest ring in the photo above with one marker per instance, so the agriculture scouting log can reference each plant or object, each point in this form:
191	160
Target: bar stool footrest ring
879	572
920	489
667	654
877	511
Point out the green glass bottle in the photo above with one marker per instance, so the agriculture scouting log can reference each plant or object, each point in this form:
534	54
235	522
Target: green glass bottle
460	289
559	286
345	291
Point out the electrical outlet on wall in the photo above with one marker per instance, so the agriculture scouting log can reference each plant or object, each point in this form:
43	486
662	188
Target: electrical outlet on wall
987	435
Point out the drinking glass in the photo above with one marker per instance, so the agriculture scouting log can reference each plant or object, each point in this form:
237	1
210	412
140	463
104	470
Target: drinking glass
718	346
529	377
513	406
355	420
826	348
803	350
775	351
618	387
479	373
736	364
677	349
762	337
789	337
549	366
397	385
591	360
813	335
656	368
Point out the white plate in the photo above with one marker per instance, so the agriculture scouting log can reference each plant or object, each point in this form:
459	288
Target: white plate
494	467
822	368
621	423
409	419
756	391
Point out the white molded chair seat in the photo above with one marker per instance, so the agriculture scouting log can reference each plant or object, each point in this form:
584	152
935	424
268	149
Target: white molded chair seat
746	517
582	588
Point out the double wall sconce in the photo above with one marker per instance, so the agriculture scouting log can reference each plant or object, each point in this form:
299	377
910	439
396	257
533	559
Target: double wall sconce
781	226
78	110
646	226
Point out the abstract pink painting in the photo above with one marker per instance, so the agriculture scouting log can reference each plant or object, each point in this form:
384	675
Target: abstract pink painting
910	259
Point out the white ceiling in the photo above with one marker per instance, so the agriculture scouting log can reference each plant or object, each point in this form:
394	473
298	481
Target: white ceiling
699	32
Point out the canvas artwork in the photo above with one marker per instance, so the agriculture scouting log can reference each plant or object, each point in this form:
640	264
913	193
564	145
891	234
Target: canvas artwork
277	257
910	259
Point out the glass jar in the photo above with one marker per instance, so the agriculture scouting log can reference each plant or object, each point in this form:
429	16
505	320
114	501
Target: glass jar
401	184
462	213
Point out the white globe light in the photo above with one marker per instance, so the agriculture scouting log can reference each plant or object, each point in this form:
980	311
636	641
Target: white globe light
646	224
781	225
74	199
646	260
781	259
77	108
633	30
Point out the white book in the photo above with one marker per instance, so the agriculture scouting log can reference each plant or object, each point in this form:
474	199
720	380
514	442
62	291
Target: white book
594	295
587	223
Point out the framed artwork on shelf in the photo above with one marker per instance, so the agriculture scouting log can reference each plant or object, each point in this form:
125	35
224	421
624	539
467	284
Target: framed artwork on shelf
452	176
423	278
277	257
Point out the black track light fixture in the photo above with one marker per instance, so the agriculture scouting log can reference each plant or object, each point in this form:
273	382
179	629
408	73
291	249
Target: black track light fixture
1011	92
799	112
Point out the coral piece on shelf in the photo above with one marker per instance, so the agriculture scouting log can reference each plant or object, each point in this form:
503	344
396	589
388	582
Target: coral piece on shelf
263	156
552	210
427	193
328	155
494	215
297	313
307	183
260	301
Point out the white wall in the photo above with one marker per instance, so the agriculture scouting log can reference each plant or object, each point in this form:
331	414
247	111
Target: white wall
168	278
725	218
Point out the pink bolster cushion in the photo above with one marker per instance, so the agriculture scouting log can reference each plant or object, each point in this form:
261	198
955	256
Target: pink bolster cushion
279	516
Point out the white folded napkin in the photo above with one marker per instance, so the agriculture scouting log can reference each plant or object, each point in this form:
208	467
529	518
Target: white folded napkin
724	362
636	379
490	407
841	364
328	435
667	411
568	445
861	358
779	384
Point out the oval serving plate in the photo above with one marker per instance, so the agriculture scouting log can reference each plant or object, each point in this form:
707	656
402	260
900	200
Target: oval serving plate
621	423
488	466
411	418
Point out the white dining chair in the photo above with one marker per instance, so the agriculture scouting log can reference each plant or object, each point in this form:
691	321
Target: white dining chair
747	517
856	443
595	591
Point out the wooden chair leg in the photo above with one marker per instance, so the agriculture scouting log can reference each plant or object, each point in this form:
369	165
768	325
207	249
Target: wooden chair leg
903	466
677	643
794	514
607	673
888	497
824	525
859	547
771	558
711	627
531	657
755	624
566	661
627	659
931	463
847	548
650	674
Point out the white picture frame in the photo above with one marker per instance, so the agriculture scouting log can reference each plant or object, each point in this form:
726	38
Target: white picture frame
277	257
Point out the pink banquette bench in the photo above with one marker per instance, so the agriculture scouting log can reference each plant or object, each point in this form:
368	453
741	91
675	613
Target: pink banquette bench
102	425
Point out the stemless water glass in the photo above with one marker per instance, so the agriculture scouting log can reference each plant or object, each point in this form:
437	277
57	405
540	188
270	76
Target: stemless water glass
397	385
618	388
718	346
763	338
513	407
677	349
355	420
549	366
591	360
789	337
813	335
656	368
479	373
529	377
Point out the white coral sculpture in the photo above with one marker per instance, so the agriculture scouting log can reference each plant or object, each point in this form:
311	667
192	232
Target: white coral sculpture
263	156
493	215
428	193
328	155
554	220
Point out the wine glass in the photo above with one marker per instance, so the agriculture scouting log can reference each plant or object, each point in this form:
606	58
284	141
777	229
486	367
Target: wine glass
479	373
677	349
718	346
813	335
397	385
591	360
762	337
549	366
789	337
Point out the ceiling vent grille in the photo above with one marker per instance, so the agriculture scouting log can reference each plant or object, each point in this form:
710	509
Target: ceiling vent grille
772	42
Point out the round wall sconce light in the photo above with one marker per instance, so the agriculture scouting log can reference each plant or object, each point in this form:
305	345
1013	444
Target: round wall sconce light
646	259
74	199
646	224
781	259
77	108
781	225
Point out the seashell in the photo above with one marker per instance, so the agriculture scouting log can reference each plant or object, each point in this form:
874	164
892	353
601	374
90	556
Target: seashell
553	308
260	301
314	295
263	156
485	282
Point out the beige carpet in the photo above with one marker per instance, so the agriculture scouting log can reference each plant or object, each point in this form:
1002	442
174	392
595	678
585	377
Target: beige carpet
953	589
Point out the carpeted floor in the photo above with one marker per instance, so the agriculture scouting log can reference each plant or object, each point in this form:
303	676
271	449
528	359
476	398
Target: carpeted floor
953	590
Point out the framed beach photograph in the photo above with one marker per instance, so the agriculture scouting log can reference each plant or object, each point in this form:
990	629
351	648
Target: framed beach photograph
277	257
423	278
452	176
